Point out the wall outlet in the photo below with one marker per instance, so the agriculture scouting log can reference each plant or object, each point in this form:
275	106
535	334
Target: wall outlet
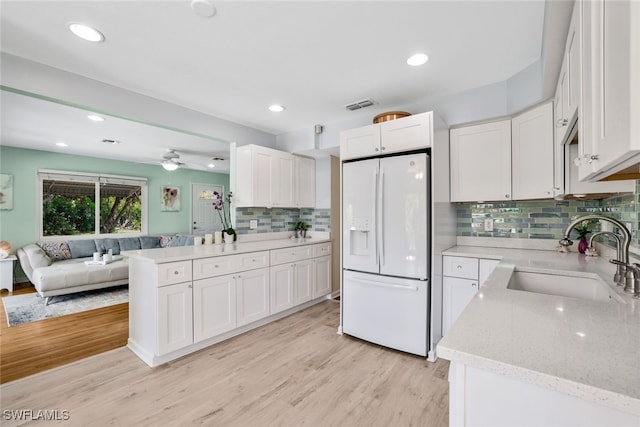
488	224
253	224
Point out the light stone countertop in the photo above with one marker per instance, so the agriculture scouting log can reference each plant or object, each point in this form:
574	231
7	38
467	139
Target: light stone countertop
586	349
184	253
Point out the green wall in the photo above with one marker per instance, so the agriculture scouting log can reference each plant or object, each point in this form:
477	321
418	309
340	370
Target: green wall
18	226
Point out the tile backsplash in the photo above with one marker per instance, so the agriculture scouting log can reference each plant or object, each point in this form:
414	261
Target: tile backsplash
279	219
545	219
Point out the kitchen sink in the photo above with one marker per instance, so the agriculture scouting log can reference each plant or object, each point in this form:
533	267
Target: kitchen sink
562	283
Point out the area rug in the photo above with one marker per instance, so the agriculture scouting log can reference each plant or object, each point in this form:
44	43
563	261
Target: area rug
30	307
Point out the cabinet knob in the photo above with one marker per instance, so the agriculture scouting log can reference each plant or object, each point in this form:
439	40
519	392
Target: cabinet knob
383	148
377	149
216	266
239	276
474	285
459	267
176	272
562	122
506	196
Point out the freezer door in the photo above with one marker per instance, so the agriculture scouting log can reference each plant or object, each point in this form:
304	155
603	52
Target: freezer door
359	219
386	310
403	216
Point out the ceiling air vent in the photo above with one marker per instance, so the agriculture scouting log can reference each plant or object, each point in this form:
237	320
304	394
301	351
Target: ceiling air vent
360	104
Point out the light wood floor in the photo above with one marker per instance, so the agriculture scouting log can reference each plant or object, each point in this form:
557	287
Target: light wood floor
294	372
37	346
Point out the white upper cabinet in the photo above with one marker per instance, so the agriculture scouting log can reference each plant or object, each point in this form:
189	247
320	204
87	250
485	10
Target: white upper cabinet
405	134
264	177
304	182
481	162
532	154
610	108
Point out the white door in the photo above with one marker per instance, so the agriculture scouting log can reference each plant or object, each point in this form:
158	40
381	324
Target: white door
359	194
303	281
214	307
175	317
388	311
252	295
481	162
456	295
322	276
281	284
403	216
205	219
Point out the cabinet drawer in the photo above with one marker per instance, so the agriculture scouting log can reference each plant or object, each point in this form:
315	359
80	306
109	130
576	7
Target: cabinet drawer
221	265
282	256
322	249
466	268
174	272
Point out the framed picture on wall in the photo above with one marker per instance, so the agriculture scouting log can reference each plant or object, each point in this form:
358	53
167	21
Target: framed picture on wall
6	192
170	199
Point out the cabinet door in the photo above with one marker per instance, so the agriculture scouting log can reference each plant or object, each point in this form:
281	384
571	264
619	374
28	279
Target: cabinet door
407	133
610	132
262	186
252	295
321	276
532	162
214	307
573	59
360	142
486	268
481	162
457	293
558	143
561	120
305	182
303	282
282	180
175	317
282	279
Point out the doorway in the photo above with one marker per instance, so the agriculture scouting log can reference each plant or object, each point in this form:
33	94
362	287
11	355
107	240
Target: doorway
204	219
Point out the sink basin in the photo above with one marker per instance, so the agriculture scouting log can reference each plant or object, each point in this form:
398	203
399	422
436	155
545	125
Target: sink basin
565	284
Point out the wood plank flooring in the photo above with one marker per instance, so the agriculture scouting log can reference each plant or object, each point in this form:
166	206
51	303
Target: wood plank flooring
294	372
37	346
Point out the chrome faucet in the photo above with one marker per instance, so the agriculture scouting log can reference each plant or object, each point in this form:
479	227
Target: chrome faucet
629	274
620	271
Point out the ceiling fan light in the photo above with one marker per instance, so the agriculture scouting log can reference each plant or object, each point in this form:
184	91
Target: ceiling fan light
169	165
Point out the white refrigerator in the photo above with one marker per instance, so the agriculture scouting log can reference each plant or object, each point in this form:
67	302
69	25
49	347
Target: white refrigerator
386	244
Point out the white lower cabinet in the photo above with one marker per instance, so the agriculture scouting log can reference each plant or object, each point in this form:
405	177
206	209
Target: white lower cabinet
214	306
179	307
175	314
462	279
321	276
456	295
252	293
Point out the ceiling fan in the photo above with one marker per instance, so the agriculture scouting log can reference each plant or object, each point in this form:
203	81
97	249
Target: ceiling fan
171	160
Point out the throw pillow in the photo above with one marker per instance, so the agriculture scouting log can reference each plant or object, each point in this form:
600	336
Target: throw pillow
57	251
149	242
103	245
129	243
37	257
82	248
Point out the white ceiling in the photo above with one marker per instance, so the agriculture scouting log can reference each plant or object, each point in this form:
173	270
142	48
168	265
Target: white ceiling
314	57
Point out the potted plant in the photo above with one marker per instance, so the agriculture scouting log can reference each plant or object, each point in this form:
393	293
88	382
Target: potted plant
301	228
225	215
583	229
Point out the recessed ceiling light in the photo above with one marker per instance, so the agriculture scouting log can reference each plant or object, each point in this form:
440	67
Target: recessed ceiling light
276	108
203	8
417	59
61	144
95	118
85	32
211	165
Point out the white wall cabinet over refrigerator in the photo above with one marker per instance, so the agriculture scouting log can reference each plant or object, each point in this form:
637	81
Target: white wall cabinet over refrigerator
504	160
609	117
405	134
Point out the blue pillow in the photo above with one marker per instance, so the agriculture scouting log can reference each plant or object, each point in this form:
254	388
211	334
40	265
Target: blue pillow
82	248
129	243
181	241
149	242
103	245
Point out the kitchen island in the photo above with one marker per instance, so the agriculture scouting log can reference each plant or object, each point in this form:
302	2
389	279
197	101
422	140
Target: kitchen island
183	299
528	358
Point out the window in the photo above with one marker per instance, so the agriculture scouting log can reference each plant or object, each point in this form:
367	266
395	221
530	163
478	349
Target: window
84	204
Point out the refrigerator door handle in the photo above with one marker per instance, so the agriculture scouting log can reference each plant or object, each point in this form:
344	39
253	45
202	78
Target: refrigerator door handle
375	215
381	214
385	285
